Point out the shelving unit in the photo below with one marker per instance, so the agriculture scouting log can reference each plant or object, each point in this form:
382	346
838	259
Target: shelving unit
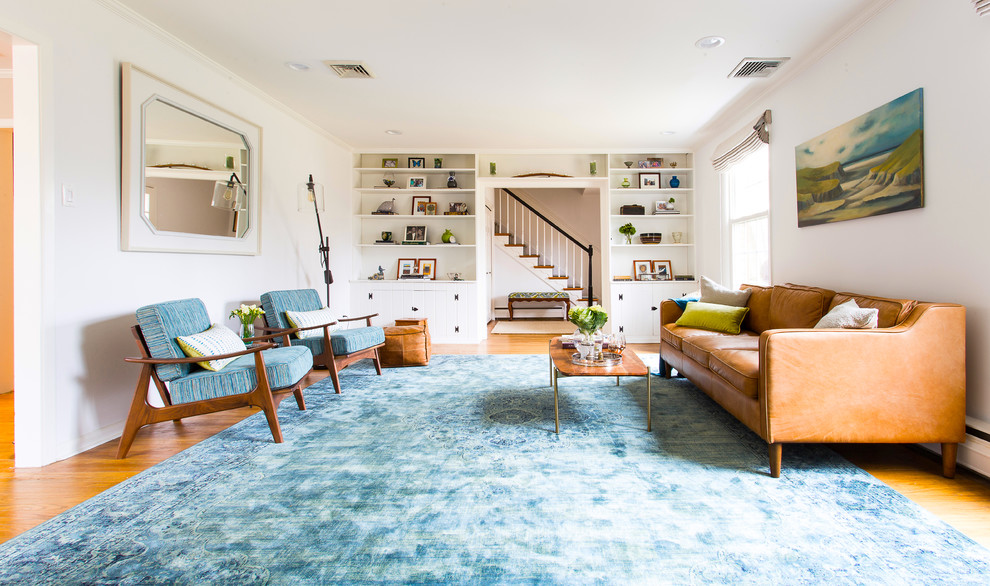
635	304
452	307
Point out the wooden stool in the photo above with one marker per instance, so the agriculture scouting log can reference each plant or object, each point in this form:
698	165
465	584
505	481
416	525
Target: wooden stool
407	343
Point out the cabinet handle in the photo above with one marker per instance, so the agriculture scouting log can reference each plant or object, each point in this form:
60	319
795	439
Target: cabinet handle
620	296
457	297
415	309
620	328
371	295
457	329
654	308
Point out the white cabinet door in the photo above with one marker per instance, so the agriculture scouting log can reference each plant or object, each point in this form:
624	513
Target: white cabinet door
636	311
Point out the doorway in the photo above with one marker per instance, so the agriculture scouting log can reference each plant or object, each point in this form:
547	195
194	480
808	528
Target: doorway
6	249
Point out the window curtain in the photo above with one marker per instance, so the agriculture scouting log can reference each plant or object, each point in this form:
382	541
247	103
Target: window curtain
742	143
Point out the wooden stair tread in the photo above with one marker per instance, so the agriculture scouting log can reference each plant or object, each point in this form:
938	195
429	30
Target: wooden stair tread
573	288
543	267
529	256
503	234
560	277
514	245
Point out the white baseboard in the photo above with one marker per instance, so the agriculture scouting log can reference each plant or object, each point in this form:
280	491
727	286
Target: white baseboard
90	440
974	454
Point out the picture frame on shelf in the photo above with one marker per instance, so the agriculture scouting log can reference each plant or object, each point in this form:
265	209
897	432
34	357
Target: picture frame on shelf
431	208
644	164
417	163
662	270
416	182
415	233
419	204
427	267
643	270
390	163
407	266
649	181
457	207
655	162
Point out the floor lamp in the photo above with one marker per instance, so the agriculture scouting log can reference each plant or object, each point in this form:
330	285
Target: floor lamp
313	192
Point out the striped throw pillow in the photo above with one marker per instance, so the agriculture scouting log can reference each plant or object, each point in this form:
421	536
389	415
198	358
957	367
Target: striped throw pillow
305	319
216	340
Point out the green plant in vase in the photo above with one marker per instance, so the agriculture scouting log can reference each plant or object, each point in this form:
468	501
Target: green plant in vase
589	320
247	314
628	230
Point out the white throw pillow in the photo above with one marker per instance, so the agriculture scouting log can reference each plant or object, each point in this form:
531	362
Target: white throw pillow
712	292
305	319
850	315
214	341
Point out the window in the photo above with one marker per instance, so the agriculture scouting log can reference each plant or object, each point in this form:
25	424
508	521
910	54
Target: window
746	229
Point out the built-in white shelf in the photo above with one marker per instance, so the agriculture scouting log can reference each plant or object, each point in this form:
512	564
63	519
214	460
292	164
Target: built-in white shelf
411	217
412	170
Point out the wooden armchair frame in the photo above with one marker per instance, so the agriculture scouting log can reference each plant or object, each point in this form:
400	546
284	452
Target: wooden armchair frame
144	413
327	359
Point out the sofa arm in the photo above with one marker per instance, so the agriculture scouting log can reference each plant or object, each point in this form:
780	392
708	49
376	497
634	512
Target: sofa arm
901	384
669	312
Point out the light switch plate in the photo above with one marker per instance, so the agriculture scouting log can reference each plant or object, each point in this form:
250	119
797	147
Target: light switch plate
68	196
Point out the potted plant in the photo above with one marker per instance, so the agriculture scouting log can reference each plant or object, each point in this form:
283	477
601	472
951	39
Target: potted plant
588	321
670	204
628	230
246	314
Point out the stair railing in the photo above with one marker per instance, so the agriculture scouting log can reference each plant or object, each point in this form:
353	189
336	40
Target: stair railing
539	233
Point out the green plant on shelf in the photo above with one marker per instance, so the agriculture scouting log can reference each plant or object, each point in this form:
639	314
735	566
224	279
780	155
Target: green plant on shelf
628	230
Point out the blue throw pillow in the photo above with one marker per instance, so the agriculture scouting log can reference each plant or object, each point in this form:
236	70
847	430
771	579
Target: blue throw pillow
683	301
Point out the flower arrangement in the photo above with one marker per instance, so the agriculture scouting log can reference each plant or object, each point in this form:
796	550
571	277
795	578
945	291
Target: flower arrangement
246	314
628	230
588	319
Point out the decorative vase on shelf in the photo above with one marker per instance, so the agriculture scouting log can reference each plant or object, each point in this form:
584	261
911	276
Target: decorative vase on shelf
491	168
593	167
675	182
447	237
451	182
625	182
628	164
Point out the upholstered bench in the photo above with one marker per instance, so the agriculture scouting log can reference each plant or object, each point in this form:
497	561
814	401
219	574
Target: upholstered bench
546	296
407	343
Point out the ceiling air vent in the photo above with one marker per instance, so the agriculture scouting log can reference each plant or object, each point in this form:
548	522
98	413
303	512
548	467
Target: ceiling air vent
751	67
982	7
349	69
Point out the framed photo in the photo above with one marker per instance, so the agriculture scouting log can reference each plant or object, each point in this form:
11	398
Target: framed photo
428	268
660	207
416	183
419	204
415	234
407	266
417	163
649	181
431	208
390	163
642	270
458	207
662	271
644	164
655	162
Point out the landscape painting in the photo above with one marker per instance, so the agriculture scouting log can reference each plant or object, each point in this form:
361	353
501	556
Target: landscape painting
869	166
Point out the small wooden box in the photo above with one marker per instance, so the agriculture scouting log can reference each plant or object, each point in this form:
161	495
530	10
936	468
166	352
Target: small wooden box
632	210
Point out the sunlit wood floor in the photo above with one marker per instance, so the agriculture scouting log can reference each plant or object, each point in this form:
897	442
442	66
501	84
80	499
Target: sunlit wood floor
33	495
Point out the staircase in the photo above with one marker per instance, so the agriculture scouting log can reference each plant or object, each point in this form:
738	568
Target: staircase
547	251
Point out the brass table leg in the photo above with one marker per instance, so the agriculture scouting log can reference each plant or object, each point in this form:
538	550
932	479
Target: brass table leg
556	415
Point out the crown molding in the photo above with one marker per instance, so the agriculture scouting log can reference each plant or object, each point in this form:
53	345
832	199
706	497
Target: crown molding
128	14
726	121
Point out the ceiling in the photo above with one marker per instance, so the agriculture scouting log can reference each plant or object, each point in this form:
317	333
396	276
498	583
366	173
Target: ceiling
507	74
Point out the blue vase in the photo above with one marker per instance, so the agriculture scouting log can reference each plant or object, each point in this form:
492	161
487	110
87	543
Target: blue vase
675	182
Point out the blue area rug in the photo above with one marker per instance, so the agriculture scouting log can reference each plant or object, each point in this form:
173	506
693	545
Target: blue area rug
452	473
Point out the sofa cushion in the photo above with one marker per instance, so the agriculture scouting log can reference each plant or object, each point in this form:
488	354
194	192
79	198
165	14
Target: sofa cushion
892	311
712	292
674	334
700	348
348	341
797	306
284	367
849	315
758	318
713	316
739	368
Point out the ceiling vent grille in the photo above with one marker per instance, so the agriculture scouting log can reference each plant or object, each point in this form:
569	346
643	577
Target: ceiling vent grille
982	7
350	69
752	67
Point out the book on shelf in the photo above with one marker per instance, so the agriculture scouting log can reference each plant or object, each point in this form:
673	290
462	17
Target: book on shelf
666	212
383	213
415	242
385	242
683	277
622	278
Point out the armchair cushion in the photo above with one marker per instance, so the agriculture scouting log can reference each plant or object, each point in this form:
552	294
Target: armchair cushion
276	303
305	319
284	367
355	339
216	340
162	323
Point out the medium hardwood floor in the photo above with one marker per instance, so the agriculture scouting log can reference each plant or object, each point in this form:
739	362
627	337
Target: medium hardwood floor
33	495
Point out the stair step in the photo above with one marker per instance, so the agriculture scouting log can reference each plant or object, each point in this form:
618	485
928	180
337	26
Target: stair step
563	277
502	234
529	256
543	267
585	300
514	245
573	288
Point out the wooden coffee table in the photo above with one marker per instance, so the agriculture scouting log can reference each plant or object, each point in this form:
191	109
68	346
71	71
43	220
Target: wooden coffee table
561	366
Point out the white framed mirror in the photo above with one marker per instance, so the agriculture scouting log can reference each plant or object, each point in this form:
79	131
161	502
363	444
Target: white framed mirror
190	171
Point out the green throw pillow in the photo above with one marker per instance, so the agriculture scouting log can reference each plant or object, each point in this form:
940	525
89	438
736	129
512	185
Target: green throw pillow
214	341
712	316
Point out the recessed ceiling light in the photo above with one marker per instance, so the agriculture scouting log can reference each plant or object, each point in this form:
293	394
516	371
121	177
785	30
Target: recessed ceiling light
393	132
297	66
709	42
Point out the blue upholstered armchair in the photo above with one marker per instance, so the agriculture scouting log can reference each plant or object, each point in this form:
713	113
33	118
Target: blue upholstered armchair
260	375
335	349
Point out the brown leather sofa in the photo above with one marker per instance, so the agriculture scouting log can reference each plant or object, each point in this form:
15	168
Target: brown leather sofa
903	382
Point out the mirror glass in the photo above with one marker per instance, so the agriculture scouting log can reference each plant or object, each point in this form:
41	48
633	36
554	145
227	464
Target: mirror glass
190	171
184	157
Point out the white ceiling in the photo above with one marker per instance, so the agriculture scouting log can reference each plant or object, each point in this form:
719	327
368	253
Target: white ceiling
507	74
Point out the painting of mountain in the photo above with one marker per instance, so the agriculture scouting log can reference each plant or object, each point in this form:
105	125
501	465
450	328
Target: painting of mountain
869	166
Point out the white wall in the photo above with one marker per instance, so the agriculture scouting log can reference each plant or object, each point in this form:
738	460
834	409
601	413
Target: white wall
92	286
937	253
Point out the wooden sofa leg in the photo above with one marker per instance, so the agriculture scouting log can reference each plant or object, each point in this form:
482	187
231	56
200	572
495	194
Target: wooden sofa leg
776	451
138	415
949	460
